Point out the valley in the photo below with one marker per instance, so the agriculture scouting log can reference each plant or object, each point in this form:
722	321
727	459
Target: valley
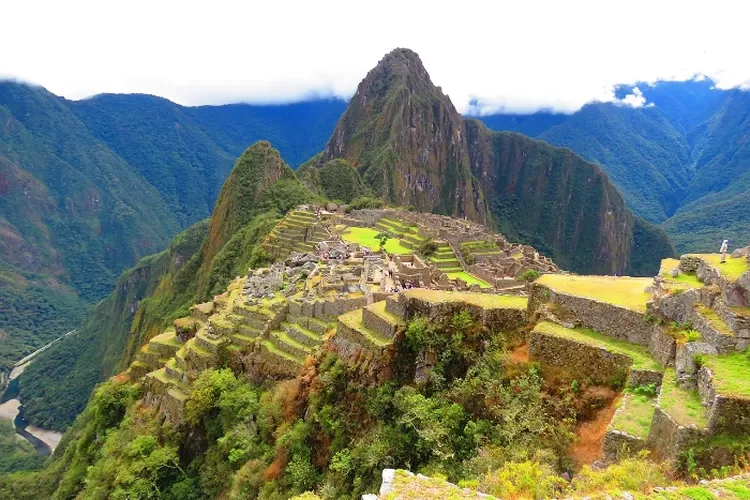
386	299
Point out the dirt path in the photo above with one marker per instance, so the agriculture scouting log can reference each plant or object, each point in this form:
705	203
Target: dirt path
590	435
520	354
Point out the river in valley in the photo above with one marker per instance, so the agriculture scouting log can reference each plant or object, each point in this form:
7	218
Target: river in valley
44	441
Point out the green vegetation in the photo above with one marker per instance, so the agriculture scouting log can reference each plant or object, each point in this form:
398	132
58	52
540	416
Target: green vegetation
17	454
730	373
683	280
469	279
475	415
364	202
733	268
682	405
529	275
634	415
555	195
714	319
640	355
336	180
368	238
620	290
487	301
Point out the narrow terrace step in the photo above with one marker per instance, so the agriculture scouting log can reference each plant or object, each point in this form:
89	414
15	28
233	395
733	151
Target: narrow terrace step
446	264
221	325
193	347
179	358
317	326
249	331
301	334
284	342
209	344
273	349
683	406
385	323
351	325
172	370
243	340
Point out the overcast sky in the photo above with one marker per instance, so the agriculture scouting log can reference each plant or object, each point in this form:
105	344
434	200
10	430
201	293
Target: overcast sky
517	55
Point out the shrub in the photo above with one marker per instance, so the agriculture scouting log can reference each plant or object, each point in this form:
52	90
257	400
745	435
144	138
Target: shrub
529	275
529	479
427	248
364	202
633	474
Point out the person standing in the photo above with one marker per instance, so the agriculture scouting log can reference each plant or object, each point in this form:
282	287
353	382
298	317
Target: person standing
723	250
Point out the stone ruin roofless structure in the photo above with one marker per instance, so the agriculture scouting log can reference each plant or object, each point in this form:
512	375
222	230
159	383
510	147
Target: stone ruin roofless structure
682	334
478	250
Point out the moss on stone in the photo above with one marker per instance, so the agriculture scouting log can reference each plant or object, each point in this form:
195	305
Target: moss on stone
682	405
168	338
622	291
642	360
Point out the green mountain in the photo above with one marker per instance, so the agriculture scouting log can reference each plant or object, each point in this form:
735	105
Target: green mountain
89	187
679	162
197	264
411	147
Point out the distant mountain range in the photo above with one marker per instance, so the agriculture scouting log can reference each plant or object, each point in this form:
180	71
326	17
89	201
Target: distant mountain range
682	161
88	187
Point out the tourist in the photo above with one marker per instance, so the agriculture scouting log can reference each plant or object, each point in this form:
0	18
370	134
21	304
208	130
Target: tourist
723	250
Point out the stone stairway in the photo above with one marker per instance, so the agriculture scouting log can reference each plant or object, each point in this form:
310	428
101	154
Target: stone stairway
298	231
444	259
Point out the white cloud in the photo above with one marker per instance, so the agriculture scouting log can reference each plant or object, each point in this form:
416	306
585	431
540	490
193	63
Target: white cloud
517	56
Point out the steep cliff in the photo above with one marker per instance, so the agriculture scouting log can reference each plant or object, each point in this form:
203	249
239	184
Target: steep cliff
407	141
561	204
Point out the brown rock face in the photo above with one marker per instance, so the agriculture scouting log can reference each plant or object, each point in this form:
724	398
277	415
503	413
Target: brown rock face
407	141
411	147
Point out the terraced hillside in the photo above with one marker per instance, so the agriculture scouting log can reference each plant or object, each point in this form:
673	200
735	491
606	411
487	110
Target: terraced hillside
299	231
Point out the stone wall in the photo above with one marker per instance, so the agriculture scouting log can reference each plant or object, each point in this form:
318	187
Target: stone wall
645	377
615	321
730	415
493	319
735	293
618	445
580	361
667	439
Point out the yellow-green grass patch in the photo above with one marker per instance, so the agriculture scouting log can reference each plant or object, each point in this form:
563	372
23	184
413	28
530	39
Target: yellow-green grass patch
379	309
639	354
730	373
634	415
682	405
353	320
682	280
366	237
732	269
714	319
168	338
484	300
621	291
468	278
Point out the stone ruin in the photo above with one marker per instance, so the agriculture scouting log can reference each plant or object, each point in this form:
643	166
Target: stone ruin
265	282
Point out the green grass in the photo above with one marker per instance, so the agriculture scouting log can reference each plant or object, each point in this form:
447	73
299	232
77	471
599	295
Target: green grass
634	415
271	347
730	373
621	291
167	338
714	319
639	354
682	405
684	280
365	236
484	300
379	309
732	268
469	278
353	320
